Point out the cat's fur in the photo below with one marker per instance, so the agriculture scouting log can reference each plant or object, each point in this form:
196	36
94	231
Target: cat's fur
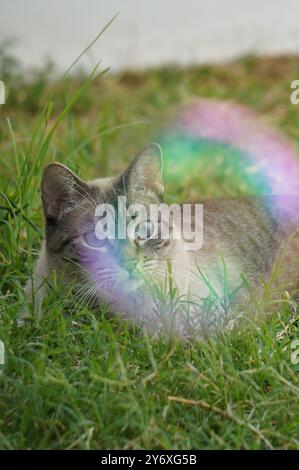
246	241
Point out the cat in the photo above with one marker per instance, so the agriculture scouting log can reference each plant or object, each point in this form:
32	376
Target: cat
247	242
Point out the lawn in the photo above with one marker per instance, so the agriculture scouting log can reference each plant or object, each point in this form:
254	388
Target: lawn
77	380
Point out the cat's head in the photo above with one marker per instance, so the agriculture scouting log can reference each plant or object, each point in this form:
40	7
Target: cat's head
73	223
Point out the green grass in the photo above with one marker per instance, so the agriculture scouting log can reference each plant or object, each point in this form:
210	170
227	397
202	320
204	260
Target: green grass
78	380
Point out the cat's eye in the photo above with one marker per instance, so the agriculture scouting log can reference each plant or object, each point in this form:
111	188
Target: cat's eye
145	230
93	241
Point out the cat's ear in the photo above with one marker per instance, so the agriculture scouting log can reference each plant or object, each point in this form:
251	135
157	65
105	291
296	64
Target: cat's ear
60	189
146	171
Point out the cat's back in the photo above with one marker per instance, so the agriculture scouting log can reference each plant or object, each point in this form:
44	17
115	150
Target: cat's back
250	231
256	216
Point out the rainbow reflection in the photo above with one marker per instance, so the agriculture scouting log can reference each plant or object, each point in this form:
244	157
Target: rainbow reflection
210	141
229	141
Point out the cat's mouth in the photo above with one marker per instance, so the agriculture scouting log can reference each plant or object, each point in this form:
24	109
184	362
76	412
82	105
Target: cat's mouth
131	285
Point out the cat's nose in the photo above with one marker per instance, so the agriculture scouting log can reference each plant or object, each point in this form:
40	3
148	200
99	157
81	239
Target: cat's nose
130	265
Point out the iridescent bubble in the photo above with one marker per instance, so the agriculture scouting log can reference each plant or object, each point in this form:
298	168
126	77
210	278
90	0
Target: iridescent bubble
212	148
229	142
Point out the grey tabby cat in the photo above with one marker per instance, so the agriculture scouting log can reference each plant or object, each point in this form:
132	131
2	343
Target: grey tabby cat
247	242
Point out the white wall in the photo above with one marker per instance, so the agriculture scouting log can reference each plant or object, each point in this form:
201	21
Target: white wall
149	32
